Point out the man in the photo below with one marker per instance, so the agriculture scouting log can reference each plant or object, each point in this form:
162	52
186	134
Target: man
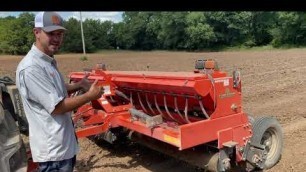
45	98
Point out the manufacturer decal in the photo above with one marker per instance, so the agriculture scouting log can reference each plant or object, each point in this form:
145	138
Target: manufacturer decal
225	82
227	94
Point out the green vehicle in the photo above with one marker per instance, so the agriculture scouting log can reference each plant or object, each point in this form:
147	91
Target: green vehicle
13	155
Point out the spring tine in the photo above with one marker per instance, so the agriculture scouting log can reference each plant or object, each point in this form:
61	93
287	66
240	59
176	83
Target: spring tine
157	105
149	104
203	110
111	97
131	98
177	110
141	102
186	110
165	104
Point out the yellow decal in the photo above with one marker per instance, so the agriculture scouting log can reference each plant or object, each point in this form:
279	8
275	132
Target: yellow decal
172	140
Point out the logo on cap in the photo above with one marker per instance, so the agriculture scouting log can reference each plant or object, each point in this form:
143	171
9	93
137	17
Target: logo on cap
55	20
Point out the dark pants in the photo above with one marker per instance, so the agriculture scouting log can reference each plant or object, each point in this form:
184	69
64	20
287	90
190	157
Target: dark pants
66	165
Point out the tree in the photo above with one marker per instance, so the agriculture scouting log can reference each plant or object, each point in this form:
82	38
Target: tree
72	41
136	32
172	30
16	34
199	33
96	34
260	27
290	29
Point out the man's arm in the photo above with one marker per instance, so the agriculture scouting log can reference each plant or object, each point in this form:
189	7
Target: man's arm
72	87
71	103
82	84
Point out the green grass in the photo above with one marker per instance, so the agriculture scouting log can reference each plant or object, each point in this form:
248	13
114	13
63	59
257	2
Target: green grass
112	51
244	48
83	58
260	48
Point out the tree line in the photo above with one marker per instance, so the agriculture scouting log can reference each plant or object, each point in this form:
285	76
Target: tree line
187	30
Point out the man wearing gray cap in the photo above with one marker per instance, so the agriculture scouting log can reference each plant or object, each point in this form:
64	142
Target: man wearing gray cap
45	98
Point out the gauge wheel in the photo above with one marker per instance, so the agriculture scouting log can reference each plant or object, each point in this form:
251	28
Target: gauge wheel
268	132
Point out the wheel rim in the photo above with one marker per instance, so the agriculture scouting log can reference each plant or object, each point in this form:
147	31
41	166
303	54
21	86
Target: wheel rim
270	141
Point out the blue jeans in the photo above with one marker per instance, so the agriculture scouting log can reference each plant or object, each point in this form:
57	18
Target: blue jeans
66	165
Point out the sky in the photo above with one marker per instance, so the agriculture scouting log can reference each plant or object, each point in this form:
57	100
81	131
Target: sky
103	16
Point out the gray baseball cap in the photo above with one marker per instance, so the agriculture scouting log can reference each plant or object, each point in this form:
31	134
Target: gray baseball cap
49	21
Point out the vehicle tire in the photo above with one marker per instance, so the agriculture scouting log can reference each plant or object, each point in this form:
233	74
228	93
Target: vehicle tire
12	148
21	120
268	132
212	165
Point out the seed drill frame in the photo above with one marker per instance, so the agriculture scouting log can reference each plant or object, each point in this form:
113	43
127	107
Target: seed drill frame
195	116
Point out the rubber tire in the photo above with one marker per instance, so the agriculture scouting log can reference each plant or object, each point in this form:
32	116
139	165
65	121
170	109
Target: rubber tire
262	125
213	164
23	124
20	155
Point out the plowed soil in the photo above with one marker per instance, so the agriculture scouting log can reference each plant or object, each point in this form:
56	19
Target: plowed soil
273	84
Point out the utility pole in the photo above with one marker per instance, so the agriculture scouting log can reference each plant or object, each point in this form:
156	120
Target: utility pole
83	42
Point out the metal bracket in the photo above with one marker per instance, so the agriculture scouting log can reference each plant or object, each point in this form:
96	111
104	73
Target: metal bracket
150	121
255	154
224	162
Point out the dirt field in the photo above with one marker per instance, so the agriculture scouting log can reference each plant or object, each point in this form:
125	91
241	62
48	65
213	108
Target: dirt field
273	84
